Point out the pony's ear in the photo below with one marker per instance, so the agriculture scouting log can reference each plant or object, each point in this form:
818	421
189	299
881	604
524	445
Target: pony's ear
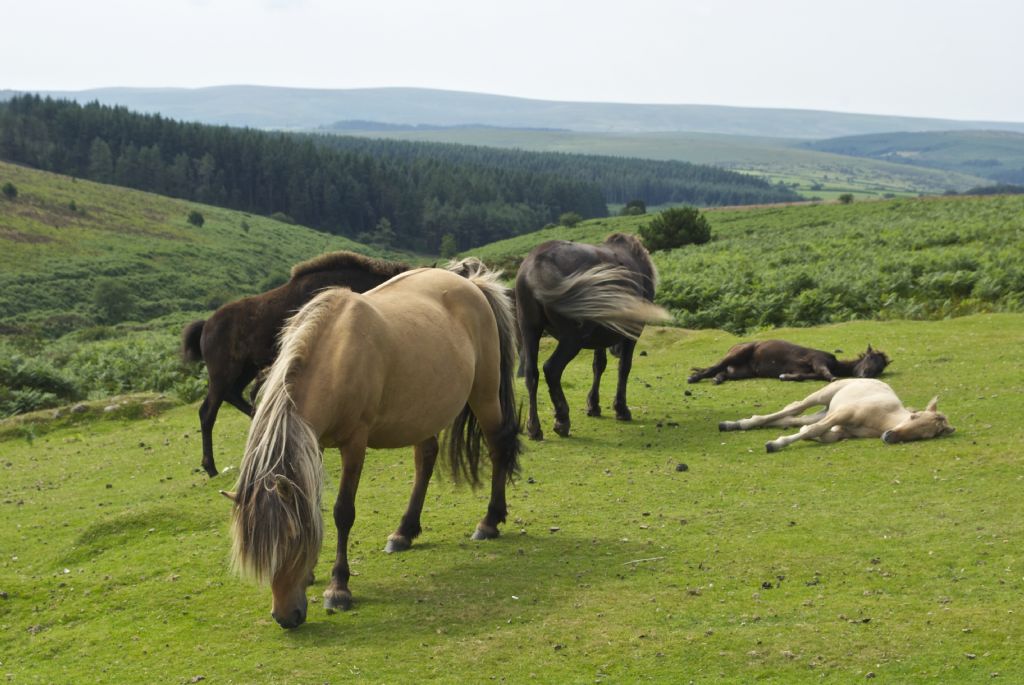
230	495
284	488
869	349
933	405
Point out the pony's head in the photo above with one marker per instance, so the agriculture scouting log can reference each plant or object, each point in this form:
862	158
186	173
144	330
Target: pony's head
276	526
870	364
920	425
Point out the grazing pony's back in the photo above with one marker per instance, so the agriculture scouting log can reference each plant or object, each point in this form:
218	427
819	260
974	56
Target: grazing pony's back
587	297
427	351
240	338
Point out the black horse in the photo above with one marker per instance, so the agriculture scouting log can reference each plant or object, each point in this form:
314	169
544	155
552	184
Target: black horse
789	362
240	339
587	297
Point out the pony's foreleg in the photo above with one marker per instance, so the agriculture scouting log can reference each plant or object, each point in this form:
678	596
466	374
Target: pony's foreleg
622	412
425	455
337	594
594	397
822	430
564	353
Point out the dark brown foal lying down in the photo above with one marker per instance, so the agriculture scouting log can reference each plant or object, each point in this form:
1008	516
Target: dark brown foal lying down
789	362
854	408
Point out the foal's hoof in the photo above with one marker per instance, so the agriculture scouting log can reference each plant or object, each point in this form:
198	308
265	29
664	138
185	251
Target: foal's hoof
726	426
397	543
771	447
337	600
485	532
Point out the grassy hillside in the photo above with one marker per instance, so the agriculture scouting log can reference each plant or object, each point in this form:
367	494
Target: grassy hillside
811	172
823	562
995	155
806	265
270	107
65	242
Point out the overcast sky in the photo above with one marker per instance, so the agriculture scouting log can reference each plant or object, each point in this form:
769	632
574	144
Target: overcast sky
935	58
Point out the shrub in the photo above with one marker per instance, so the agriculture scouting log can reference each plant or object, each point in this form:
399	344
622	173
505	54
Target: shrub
196	218
569	219
634	208
846	198
676	227
10	191
113	300
449	248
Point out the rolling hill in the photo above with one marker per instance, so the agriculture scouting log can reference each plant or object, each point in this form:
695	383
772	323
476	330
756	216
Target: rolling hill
63	237
994	155
296	108
810	172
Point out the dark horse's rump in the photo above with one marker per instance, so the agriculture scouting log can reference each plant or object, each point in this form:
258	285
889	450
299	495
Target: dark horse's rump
587	297
240	338
789	362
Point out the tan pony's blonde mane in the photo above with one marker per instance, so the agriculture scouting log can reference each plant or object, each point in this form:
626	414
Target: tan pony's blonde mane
282	452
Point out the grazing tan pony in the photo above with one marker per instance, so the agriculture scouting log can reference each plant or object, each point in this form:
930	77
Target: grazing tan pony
854	408
426	351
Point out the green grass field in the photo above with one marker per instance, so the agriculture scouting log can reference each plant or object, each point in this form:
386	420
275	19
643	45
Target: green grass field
820	562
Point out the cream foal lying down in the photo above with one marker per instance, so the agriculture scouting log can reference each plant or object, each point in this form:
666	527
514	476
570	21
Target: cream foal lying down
854	408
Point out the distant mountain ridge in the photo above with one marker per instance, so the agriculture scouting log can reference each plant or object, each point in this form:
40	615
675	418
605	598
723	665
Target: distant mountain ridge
303	108
996	155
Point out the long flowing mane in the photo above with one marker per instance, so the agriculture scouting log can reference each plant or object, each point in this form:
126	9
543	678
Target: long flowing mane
635	247
343	259
282	452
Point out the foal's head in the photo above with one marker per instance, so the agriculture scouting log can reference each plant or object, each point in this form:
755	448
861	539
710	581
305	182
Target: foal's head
870	364
920	425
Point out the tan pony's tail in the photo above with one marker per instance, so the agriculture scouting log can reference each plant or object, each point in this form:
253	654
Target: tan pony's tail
465	434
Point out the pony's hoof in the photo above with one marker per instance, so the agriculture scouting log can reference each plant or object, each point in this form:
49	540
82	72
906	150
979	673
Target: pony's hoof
562	428
337	600
211	470
724	426
397	543
693	379
593	411
624	415
771	447
484	532
537	434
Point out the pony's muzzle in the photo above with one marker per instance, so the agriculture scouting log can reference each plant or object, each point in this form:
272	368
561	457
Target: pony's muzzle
889	438
294	619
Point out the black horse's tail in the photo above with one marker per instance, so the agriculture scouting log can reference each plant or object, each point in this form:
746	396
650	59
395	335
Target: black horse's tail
465	434
191	351
602	293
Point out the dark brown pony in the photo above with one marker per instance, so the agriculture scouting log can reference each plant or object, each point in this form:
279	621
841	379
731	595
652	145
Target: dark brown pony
586	297
789	362
240	338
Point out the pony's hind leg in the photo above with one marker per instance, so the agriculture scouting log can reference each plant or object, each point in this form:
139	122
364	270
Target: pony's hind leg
207	417
564	353
503	446
594	397
528	361
401	540
337	595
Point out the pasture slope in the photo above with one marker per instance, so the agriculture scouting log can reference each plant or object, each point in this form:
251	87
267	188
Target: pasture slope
822	562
